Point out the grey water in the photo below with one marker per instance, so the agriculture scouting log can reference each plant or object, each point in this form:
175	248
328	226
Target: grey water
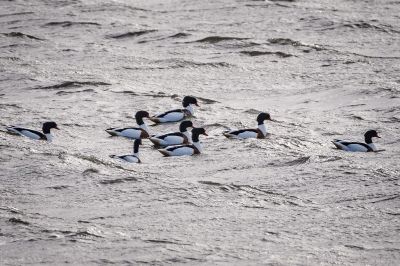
322	69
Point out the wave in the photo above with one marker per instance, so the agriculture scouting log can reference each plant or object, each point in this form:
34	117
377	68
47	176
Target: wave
15	14
16	34
175	36
72	84
88	233
252	111
217	39
11	58
90	171
161	241
179	35
10	209
258	53
70	23
316	47
118	180
364	25
301	160
59	187
130	34
71	92
180	63
206	100
18	221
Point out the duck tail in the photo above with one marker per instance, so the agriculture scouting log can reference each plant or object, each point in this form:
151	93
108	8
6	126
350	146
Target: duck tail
154	119
227	134
164	152
155	141
338	145
111	131
11	129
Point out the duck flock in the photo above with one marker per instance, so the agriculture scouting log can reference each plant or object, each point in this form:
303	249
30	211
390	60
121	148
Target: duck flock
184	142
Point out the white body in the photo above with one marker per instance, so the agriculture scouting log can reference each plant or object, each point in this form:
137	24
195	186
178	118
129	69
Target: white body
185	150
171	140
172	117
129	132
248	134
354	147
176	116
167	141
130	158
29	134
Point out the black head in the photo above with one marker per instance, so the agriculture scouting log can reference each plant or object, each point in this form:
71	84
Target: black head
369	135
184	125
196	132
263	116
189	100
140	115
47	126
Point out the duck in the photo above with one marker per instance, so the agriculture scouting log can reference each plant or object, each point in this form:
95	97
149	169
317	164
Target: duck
368	146
177	114
33	134
175	138
186	149
131	158
141	132
260	132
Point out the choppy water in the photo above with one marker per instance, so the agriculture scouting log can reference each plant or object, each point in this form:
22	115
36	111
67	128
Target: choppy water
323	69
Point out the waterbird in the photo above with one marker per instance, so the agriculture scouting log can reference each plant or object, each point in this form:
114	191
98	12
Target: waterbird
260	132
186	149
177	114
33	134
131	158
141	132
368	146
174	138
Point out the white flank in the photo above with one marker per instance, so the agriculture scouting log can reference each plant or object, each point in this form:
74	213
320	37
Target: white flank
181	151
29	134
172	117
130	133
172	140
247	135
130	159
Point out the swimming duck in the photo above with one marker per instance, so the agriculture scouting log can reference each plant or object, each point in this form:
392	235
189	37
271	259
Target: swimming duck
260	132
131	158
368	146
141	132
186	149
178	114
175	138
33	134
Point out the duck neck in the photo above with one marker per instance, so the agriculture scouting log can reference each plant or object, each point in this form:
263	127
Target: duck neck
372	146
262	128
49	137
190	109
136	148
368	139
198	145
187	134
144	127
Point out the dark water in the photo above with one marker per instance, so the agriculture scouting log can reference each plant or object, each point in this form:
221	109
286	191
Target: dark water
323	70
